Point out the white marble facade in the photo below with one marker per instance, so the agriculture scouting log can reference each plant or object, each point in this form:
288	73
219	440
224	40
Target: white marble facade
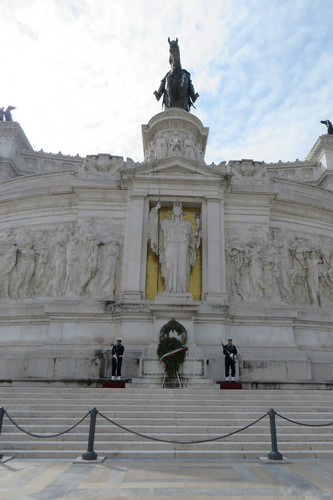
74	236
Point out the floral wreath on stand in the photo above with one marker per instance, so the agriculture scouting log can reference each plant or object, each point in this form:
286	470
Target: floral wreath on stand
171	350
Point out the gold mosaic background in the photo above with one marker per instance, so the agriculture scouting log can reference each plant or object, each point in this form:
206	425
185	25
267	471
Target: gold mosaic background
154	278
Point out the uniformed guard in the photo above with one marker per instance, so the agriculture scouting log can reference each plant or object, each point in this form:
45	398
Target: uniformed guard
230	352
117	359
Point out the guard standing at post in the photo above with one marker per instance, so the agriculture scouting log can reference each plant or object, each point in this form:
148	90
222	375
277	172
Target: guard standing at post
117	359
230	352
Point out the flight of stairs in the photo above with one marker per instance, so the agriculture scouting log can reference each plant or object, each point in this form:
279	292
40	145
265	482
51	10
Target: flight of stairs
184	414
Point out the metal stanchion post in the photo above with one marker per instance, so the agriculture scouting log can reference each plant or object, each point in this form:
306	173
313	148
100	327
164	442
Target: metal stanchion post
274	454
2	412
90	454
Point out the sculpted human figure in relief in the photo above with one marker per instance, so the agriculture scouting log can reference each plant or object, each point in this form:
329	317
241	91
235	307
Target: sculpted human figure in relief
25	267
106	278
58	265
8	259
175	243
72	262
313	260
88	262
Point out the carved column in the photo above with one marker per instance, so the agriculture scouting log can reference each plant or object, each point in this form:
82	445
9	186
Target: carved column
215	264
133	248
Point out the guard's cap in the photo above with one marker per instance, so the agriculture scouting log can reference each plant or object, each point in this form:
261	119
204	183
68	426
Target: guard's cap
119	339
229	339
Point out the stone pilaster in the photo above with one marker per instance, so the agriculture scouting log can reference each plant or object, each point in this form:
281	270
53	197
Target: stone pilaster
132	265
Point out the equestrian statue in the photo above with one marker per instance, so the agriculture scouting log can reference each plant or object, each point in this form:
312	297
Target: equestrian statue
176	87
328	125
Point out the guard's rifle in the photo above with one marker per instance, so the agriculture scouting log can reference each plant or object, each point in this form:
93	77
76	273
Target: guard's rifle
233	358
114	356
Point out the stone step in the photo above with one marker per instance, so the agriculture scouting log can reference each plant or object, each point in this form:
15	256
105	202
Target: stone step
170	454
149	421
247	436
288	430
111	447
137	403
159	392
165	414
193	412
175	415
186	390
165	401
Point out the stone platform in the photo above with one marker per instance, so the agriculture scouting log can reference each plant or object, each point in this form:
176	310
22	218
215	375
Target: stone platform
230	385
166	480
114	384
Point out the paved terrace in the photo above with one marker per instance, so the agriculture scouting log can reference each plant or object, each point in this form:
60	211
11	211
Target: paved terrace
33	479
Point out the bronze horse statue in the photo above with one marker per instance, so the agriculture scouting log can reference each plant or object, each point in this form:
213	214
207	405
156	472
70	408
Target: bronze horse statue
328	125
176	87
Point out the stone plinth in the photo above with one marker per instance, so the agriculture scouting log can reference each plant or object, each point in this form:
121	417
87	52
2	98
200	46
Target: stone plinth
174	133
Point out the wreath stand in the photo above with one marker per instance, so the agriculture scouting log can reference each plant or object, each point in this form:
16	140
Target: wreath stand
180	345
178	378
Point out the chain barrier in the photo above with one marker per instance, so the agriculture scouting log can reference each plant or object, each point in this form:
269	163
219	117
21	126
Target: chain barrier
90	454
43	436
173	441
303	423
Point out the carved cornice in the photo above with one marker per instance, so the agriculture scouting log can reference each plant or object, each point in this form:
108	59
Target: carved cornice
53	156
324	142
14	130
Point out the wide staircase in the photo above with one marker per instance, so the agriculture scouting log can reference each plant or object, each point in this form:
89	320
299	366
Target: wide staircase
171	414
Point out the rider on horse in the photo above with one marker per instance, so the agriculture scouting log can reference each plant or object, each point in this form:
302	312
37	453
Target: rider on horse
176	87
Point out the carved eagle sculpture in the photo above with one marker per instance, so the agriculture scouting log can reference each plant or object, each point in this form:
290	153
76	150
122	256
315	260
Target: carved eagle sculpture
328	125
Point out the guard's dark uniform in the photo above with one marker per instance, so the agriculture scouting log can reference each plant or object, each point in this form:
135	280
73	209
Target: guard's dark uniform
118	351
229	360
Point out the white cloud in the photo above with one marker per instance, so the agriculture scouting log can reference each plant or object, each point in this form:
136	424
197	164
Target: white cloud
82	73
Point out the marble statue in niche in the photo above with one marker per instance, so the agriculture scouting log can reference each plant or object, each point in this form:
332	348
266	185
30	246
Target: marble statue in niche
175	243
190	151
175	144
161	148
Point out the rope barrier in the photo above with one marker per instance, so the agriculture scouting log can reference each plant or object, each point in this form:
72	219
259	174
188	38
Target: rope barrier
303	423
173	441
43	436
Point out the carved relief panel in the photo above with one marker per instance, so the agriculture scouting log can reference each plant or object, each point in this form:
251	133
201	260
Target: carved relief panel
167	144
281	267
71	261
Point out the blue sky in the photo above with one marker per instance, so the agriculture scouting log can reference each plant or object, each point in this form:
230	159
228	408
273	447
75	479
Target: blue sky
82	73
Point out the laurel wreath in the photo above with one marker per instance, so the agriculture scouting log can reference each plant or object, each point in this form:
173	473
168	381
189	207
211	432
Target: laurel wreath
168	344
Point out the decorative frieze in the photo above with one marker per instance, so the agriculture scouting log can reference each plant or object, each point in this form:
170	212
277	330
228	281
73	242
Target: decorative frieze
292	269
71	261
